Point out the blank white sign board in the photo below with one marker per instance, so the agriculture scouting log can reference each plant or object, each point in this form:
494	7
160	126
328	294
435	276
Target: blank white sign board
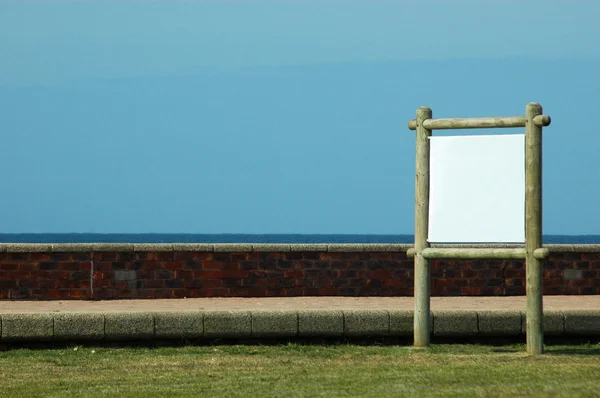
477	189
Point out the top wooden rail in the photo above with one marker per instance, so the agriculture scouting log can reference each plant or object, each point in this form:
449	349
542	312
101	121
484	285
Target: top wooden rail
480	122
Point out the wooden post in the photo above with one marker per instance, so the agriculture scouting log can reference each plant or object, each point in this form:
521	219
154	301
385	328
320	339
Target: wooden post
533	229
422	265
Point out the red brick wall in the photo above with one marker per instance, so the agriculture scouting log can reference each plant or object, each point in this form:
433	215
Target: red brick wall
178	274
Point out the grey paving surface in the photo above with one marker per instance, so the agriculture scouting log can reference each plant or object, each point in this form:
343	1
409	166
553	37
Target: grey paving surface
297	303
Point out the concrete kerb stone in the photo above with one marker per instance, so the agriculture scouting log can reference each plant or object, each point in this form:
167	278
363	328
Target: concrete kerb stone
582	322
322	323
554	323
129	325
276	323
500	323
366	322
78	326
227	324
455	323
402	322
27	327
281	323
179	325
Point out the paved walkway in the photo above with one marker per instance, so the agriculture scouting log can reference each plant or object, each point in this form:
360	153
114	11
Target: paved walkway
296	303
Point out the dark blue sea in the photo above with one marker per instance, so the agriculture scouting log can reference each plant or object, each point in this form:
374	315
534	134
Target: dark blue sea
245	238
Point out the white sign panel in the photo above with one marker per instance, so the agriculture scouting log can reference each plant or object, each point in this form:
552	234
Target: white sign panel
477	189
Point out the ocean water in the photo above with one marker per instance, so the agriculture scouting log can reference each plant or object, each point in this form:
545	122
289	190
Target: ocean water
245	238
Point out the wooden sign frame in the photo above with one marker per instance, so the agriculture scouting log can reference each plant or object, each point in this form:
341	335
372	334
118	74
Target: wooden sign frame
533	253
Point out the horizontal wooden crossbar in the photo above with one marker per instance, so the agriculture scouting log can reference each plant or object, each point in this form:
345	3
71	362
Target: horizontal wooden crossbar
479	254
479	122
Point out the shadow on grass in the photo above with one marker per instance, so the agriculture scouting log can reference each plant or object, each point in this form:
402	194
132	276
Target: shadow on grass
575	351
581	345
507	350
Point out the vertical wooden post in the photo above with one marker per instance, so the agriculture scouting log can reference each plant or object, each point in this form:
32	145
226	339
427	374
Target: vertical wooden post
422	265
533	230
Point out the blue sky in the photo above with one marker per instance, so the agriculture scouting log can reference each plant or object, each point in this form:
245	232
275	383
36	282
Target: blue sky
276	116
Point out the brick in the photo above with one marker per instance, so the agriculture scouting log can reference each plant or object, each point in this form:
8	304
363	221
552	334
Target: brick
572	274
331	256
173	283
256	292
154	284
39	256
180	293
183	256
163	274
210	283
79	294
145	256
192	265
212	265
26	267
162	293
80	276
173	265
165	256
48	265
125	275
27	284
60	257
470	291
105	256
294	273
234	273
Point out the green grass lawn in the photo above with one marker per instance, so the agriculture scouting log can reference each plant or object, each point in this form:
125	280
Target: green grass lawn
302	371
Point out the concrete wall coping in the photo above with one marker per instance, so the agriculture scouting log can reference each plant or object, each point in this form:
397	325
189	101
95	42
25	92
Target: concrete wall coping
254	247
